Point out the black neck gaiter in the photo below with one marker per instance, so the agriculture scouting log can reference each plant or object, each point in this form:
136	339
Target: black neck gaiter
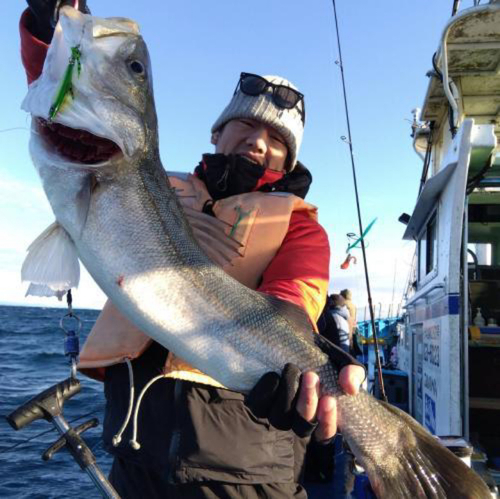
229	175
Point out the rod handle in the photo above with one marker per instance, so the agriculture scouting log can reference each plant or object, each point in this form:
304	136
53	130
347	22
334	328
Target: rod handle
45	405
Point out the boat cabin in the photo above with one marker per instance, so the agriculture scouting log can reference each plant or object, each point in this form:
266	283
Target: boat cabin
450	345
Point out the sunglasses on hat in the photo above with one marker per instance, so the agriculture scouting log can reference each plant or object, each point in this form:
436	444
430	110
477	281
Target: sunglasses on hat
284	97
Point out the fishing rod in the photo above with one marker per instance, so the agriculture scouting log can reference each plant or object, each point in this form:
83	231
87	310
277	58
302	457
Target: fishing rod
363	248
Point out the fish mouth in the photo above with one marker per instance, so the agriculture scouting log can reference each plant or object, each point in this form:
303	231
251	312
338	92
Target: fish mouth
75	145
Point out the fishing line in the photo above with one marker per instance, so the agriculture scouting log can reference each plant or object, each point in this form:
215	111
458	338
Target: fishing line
348	141
30	130
15	128
27	127
93	413
394	280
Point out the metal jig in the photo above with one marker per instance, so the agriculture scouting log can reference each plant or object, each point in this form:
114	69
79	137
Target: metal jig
67	81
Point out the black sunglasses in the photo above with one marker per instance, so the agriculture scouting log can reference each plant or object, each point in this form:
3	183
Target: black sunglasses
283	96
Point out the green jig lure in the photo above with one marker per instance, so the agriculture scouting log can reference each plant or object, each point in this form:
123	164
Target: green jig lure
67	81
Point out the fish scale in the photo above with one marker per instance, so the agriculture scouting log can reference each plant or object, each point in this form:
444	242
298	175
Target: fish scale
131	233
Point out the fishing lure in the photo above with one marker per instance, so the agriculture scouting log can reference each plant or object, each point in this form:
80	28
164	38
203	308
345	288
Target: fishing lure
348	260
355	243
67	81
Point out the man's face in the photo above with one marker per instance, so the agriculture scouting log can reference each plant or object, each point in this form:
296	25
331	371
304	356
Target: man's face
260	143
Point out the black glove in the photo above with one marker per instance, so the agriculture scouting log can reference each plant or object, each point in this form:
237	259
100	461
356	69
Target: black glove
274	397
45	14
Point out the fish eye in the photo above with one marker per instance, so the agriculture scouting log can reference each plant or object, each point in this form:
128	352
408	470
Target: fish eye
136	67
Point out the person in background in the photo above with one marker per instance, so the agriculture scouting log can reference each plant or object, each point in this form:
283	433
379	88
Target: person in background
199	440
347	294
340	315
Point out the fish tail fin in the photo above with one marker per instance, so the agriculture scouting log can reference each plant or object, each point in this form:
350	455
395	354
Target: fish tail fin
425	468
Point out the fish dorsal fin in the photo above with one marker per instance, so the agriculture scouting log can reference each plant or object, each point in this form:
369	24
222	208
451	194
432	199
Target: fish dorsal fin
293	313
51	265
210	233
339	357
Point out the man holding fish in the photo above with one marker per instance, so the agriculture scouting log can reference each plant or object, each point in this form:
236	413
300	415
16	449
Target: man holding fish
192	437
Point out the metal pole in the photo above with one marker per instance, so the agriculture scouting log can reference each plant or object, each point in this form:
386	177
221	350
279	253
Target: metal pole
96	475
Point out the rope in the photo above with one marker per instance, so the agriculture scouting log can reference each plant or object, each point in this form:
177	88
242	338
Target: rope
363	248
118	437
134	443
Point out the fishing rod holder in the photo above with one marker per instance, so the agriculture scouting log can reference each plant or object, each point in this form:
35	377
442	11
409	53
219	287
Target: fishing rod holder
49	405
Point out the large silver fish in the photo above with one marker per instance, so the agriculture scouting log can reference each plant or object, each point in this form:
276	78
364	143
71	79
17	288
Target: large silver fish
115	210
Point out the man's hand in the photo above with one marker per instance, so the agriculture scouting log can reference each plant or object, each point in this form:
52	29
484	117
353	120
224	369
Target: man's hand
324	409
275	397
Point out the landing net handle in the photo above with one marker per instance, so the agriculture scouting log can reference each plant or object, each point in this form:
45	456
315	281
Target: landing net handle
49	405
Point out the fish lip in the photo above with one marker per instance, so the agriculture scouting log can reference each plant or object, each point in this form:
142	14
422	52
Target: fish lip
75	146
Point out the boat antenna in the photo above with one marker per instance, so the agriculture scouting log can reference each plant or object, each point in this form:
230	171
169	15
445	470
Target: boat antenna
363	249
456	4
427	158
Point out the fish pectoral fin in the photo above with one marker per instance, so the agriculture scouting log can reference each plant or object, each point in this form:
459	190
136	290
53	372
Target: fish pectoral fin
44	291
52	265
82	201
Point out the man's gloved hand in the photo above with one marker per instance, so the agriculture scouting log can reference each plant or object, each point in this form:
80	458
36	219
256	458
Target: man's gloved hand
292	400
46	14
324	409
274	397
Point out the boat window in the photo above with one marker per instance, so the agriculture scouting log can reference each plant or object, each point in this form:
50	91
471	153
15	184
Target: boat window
427	248
422	254
483	253
431	244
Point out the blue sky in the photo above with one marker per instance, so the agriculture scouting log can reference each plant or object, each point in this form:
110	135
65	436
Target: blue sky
198	48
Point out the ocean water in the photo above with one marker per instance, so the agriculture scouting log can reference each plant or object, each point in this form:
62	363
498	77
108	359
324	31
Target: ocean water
31	360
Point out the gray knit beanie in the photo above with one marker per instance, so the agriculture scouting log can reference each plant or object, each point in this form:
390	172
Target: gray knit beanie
288	122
